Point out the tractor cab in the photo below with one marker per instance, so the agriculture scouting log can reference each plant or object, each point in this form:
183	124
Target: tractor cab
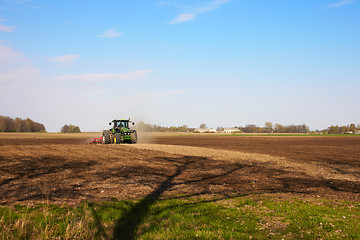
119	124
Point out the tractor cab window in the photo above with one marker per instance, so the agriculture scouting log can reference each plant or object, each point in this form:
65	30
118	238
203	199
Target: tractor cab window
121	124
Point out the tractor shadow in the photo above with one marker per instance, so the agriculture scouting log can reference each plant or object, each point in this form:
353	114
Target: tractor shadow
199	176
126	227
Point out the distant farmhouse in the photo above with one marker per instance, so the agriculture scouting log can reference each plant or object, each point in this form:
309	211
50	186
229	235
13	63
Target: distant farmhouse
231	130
212	130
205	130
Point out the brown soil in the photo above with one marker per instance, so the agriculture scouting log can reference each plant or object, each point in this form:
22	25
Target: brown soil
71	171
320	149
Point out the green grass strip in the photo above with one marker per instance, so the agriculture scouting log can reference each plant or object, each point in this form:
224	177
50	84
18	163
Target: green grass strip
249	217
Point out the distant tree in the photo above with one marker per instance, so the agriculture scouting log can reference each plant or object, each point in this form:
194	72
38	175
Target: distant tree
305	128
3	125
184	128
10	126
279	128
173	129
75	129
70	129
65	129
219	129
343	129
28	125
268	127
39	127
352	127
18	125
334	130
203	126
250	128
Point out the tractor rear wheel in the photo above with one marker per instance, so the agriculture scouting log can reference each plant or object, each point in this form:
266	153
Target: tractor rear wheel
117	138
106	137
133	137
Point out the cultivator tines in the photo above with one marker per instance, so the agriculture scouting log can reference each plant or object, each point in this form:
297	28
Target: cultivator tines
96	140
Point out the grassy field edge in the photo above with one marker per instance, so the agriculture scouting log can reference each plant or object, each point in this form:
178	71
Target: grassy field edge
245	217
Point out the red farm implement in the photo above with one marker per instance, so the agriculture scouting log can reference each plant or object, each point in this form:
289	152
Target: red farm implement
96	140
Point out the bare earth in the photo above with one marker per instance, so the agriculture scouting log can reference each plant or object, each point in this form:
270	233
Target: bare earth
67	169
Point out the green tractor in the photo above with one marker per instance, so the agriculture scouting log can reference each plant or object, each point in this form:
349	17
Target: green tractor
119	133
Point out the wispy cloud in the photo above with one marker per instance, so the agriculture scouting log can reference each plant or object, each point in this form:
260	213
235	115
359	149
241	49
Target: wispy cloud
16	72
8	55
341	3
191	14
5	28
163	3
101	77
64	59
110	33
24	73
183	18
211	5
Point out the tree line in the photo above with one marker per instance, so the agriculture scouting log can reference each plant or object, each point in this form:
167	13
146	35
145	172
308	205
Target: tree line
70	129
8	124
252	128
249	128
145	127
276	128
351	128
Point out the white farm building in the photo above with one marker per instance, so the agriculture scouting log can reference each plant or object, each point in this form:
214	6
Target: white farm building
231	130
205	130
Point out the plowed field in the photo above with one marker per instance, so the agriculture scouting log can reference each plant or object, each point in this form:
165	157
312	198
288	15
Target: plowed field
64	168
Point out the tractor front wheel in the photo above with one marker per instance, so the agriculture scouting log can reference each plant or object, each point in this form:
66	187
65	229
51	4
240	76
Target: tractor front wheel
117	138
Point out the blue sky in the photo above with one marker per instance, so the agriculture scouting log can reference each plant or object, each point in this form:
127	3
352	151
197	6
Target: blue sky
220	62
